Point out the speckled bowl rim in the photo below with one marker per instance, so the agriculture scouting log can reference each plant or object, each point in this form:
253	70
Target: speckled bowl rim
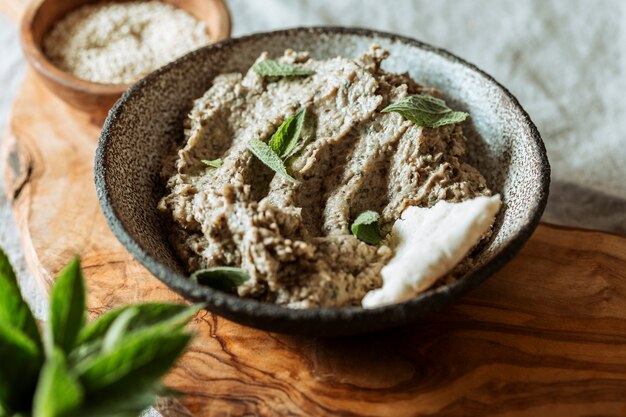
262	314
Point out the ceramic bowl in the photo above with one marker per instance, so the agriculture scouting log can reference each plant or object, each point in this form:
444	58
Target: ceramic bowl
504	144
88	96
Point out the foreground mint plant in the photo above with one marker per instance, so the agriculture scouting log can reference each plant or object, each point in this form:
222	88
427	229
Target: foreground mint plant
110	367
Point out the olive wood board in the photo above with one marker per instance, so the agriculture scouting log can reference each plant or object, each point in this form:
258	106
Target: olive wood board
544	336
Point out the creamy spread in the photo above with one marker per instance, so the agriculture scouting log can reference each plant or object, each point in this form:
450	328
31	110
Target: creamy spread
428	243
293	238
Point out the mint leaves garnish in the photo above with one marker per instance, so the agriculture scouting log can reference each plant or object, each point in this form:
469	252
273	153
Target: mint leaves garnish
216	163
365	227
271	68
426	111
223	278
283	144
111	366
266	155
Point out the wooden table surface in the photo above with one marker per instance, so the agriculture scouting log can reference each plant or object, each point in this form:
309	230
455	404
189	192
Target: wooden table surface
546	336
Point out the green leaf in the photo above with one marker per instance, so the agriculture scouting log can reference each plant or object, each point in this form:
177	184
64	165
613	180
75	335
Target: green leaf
425	110
117	325
223	278
58	392
148	314
67	307
145	354
365	227
216	163
138	361
271	68
21	353
118	329
13	309
266	155
283	142
20	361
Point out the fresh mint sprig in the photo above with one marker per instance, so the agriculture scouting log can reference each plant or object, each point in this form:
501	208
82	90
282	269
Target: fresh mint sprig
110	367
267	155
426	111
67	309
283	144
285	140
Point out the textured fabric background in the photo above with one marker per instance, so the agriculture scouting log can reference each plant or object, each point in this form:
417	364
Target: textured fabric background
565	60
11	74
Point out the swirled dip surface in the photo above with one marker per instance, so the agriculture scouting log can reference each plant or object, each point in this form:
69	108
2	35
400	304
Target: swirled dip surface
294	239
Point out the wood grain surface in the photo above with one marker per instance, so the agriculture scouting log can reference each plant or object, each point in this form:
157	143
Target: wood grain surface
546	336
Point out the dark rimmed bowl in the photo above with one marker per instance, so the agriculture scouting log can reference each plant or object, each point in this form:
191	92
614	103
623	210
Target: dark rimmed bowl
141	127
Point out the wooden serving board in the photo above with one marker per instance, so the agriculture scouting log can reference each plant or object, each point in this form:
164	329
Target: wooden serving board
544	336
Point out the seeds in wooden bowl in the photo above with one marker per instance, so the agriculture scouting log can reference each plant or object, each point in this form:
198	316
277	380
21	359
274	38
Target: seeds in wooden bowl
118	43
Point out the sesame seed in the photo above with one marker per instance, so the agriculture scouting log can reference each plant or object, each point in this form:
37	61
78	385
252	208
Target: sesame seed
118	43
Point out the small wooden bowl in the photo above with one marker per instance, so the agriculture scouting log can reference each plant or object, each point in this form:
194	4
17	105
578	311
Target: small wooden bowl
85	95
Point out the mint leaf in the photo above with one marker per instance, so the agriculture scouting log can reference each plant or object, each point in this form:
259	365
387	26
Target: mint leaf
148	339
271	68
118	329
426	111
266	155
148	314
365	227
283	144
284	140
223	278
67	307
114	326
216	163
14	311
20	361
138	361
58	392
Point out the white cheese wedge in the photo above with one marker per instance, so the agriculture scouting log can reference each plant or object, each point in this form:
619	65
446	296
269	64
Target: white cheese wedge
429	243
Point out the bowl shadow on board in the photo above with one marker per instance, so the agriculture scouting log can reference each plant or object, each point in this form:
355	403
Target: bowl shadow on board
141	128
417	357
